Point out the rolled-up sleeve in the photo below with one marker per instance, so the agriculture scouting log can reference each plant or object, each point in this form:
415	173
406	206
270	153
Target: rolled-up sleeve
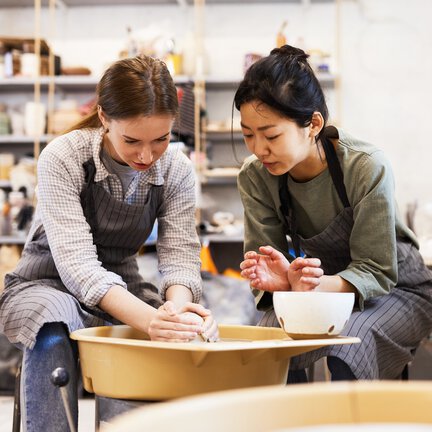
68	233
178	244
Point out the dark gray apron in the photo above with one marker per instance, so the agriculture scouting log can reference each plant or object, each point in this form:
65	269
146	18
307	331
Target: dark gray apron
390	326
34	293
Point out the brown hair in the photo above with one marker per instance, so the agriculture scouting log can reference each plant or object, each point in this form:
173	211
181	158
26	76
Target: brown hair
131	87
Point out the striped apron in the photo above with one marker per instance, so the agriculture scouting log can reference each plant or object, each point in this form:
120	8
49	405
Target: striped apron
34	293
390	326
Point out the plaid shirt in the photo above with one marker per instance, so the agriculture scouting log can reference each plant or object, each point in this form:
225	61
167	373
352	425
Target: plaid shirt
60	214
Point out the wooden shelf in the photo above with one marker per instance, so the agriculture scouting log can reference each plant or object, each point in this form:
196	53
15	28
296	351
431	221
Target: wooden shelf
5	183
223	135
222	172
82	82
12	240
89	82
220	176
214	82
219	181
23	139
78	3
65	82
81	3
222	238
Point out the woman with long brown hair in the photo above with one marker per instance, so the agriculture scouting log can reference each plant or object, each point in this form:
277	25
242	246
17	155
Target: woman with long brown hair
101	186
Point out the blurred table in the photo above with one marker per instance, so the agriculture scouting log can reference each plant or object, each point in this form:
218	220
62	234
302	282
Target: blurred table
325	407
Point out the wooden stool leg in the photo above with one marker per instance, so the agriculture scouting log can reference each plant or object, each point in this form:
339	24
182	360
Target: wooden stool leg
97	415
16	425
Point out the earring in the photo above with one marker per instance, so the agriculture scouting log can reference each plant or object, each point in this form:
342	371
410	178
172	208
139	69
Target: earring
106	130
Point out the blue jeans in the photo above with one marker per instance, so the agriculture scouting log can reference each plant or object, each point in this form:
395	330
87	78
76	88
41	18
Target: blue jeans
41	402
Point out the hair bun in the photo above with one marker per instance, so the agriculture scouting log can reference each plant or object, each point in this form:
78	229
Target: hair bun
288	50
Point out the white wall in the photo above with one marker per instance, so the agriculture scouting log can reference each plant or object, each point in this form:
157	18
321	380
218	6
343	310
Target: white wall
387	91
385	60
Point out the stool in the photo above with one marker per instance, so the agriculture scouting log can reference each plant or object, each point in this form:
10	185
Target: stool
105	408
16	424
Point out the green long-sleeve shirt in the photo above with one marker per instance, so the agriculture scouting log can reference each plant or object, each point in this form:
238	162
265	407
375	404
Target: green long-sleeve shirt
369	184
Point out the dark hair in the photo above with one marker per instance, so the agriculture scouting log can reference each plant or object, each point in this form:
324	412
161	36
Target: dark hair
131	87
285	82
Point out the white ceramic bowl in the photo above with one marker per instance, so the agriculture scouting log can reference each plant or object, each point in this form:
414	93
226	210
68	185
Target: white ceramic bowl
311	314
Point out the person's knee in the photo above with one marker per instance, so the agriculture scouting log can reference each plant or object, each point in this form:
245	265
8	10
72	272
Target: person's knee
52	335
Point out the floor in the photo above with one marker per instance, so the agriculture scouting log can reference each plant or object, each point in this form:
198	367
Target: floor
86	416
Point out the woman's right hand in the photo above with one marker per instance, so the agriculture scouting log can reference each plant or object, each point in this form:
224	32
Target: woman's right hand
266	271
169	325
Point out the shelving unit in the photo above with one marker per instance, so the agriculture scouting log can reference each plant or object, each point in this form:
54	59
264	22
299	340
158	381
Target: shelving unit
215	83
79	3
20	90
12	240
216	141
22	139
63	82
64	85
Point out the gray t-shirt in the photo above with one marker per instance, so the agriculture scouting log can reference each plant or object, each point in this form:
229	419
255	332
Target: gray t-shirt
125	173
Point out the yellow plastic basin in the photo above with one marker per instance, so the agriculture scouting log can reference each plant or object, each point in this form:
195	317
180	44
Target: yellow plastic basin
121	362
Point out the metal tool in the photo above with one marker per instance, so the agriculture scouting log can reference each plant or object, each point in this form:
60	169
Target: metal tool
60	378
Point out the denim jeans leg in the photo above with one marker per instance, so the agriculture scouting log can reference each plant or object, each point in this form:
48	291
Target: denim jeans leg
41	402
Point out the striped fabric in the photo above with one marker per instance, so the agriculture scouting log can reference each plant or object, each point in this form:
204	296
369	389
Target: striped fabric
86	235
390	326
59	214
28	305
333	251
356	235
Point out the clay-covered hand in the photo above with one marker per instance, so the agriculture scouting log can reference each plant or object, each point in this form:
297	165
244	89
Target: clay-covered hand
171	325
304	274
266	271
209	327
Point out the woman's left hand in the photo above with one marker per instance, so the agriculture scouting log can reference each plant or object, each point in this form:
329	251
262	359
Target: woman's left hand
210	331
304	274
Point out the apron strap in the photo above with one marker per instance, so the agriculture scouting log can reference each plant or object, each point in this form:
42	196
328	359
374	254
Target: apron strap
287	211
337	178
334	165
